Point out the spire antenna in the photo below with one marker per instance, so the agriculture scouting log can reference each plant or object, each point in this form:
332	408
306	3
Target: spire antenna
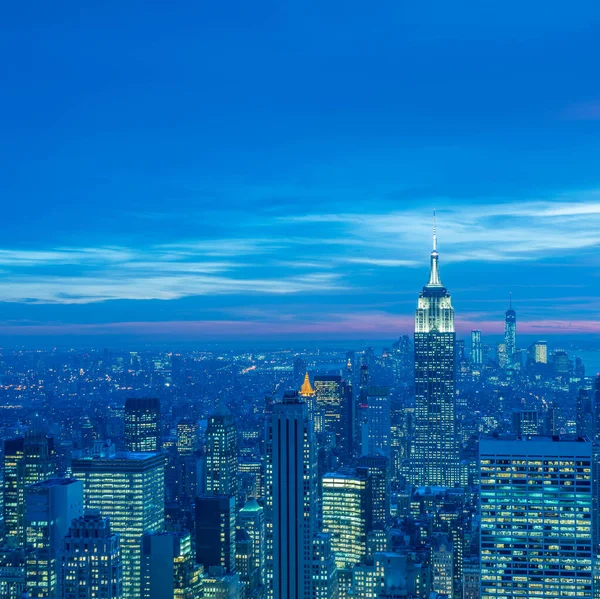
510	299
434	232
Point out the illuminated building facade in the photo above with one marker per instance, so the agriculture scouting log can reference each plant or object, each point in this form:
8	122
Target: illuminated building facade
90	565
129	488
142	424
221	454
187	437
291	499
215	532
334	397
435	456
346	515
379	423
27	460
476	348
51	506
536	517
169	570
324	571
510	335
251	519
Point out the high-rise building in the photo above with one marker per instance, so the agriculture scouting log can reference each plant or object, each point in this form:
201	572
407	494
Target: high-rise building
90	565
307	393
325	583
13	583
251	518
510	335
129	488
334	397
538	353
187	437
476	348
584	415
525	422
142	424
169	570
221	454
442	565
244	562
378	467
595	408
291	499
215	532
51	506
536	517
435	458
27	460
346	515
379	422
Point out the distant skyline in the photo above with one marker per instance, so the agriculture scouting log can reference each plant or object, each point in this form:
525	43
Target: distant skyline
269	170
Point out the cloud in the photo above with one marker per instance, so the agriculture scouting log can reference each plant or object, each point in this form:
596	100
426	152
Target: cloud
583	111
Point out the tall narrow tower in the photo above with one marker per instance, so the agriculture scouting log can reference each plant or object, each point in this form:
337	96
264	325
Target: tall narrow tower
435	456
510	335
291	499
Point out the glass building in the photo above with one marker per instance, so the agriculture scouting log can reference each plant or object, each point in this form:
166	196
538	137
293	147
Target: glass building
221	454
142	424
435	459
510	335
536	517
129	488
476	348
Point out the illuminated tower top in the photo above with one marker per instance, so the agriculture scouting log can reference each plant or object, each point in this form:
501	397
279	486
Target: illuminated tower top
434	308
510	333
306	389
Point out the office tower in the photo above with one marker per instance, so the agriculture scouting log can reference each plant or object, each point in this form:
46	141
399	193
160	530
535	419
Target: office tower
251	519
435	457
169	570
403	358
218	585
215	532
129	488
90	565
221	454
334	397
584	416
501	355
476	348
442	565
142	424
291	499
538	353
346	515
50	507
325	583
244	562
510	335
525	422
13	583
350	366
187	437
379	422
536	517
378	467
27	460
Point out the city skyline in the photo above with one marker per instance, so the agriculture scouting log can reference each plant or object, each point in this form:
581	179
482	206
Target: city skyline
238	202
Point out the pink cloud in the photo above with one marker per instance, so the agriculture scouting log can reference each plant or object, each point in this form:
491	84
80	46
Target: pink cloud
373	325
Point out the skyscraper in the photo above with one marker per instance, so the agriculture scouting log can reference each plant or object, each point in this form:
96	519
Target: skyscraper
169	570
142	424
129	488
536	517
251	518
51	506
510	335
476	348
435	456
90	565
291	499
221	454
215	532
334	396
27	460
346	516
379	422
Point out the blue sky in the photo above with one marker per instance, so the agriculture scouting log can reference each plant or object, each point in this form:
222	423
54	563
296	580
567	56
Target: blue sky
234	169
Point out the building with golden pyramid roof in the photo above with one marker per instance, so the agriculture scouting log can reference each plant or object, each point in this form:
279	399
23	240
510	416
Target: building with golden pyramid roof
306	390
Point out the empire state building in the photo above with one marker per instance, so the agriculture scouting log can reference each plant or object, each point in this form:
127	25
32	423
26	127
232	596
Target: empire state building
435	454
